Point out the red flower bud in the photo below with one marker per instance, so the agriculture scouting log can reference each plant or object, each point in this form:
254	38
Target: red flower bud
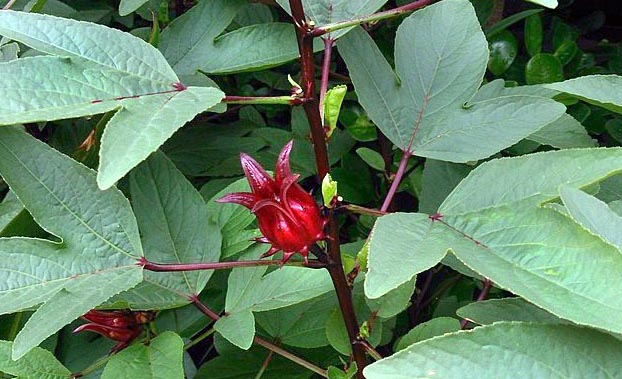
120	326
288	217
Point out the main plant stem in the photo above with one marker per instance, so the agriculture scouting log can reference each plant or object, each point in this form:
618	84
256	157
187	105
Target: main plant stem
261	342
335	266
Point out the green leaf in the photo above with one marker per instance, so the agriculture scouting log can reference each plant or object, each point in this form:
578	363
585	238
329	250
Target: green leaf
601	90
100	242
593	214
299	325
509	21
192	41
533	34
566	51
532	350
161	359
508	309
398	251
535	252
108	70
371	157
534	178
238	328
128	6
439	179
394	301
332	106
424	112
329	190
37	364
233	220
544	257
143	125
8	52
503	49
109	48
245	365
175	228
564	133
250	291
323	12
335	373
435	327
544	68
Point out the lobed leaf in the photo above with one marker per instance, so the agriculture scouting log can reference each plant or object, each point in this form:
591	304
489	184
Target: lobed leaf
533	350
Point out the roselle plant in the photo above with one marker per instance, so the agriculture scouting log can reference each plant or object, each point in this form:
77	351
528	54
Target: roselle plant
425	218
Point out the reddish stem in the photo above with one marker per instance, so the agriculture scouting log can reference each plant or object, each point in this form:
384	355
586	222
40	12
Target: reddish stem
396	181
318	136
482	296
170	267
328	50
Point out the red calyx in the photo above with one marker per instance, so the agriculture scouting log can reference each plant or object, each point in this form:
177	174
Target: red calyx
120	326
288	217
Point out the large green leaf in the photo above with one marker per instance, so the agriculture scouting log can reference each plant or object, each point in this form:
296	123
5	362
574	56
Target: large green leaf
435	327
512	349
100	242
537	252
108	70
175	228
109	48
601	90
161	359
142	125
37	364
534	178
593	214
194	42
424	108
323	12
563	133
508	309
398	251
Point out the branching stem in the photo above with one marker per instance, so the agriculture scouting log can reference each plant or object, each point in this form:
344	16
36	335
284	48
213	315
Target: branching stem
261	342
318	137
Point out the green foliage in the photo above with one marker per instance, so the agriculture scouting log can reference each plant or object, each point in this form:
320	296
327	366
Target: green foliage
478	167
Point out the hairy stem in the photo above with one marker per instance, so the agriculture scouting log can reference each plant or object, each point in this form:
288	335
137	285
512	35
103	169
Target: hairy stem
335	266
399	175
261	342
373	17
328	50
169	267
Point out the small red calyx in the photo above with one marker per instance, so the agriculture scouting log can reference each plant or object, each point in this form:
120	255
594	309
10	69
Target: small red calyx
120	326
288	217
